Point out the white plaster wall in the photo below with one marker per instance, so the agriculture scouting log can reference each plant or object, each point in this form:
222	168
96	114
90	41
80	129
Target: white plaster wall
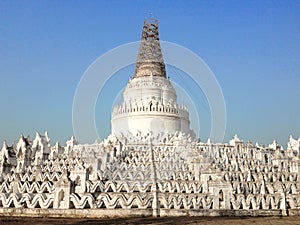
136	122
147	88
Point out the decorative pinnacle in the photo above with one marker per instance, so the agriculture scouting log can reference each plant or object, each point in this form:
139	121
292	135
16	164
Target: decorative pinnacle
150	60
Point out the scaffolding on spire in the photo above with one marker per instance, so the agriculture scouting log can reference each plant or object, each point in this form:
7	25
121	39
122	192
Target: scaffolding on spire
150	60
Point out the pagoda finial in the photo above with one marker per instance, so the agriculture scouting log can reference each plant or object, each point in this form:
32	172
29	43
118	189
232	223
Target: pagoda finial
151	19
150	60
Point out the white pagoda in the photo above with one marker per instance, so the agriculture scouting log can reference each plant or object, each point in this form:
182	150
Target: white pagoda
150	100
151	164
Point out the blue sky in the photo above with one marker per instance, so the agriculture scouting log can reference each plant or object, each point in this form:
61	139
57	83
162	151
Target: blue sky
253	48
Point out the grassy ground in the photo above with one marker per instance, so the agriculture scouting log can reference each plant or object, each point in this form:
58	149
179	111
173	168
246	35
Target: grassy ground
157	221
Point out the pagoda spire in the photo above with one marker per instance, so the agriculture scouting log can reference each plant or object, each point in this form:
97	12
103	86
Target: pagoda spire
150	60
